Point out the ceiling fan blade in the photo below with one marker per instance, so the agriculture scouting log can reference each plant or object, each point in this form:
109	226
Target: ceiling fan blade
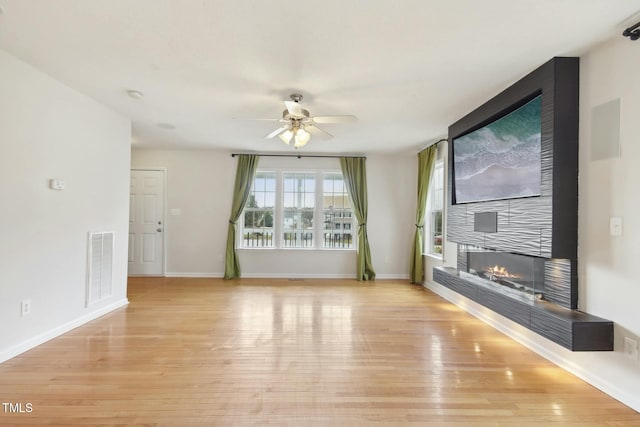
294	108
263	120
316	131
335	119
277	132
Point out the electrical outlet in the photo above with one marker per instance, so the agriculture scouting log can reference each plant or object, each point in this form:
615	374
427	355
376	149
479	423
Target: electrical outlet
631	348
25	307
56	184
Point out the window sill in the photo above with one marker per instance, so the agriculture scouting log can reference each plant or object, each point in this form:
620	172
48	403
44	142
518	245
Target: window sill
298	249
434	256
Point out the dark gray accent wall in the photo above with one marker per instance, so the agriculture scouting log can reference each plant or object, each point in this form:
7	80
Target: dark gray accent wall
544	226
565	159
539	226
557	273
462	260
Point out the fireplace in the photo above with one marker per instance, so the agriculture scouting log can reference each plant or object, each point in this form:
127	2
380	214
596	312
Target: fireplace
517	276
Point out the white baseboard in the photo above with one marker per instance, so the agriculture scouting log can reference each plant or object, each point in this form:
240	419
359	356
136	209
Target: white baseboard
547	349
392	276
264	275
12	352
197	275
297	276
55	332
288	275
319	276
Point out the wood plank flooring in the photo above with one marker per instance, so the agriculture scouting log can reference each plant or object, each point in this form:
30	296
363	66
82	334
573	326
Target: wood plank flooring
300	353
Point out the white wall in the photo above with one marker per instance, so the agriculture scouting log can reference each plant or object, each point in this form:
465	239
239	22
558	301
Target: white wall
48	130
608	272
200	184
392	181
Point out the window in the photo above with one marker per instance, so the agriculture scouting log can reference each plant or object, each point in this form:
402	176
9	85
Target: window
337	212
433	218
259	212
298	213
305	209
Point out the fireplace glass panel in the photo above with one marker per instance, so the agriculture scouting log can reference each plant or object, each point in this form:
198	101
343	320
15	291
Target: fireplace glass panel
518	276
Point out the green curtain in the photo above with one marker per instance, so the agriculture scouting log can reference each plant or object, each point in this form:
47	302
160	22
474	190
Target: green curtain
354	172
245	173
426	159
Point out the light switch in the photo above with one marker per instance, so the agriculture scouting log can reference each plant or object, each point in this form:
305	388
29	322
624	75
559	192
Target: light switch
56	184
615	226
176	212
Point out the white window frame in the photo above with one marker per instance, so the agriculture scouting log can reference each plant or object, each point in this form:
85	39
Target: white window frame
321	213
314	230
429	219
240	242
278	225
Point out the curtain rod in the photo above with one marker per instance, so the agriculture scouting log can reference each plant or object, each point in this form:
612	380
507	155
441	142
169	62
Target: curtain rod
433	143
299	156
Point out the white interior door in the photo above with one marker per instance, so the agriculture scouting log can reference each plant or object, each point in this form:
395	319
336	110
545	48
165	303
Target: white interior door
146	223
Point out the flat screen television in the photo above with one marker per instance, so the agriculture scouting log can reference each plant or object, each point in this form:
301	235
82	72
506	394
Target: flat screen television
500	160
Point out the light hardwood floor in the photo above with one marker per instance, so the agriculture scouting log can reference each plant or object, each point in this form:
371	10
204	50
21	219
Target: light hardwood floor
281	352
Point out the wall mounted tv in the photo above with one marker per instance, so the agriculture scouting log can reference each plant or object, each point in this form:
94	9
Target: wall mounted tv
500	160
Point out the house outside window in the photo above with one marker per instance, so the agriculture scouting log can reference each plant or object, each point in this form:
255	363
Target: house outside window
433	218
337	212
301	209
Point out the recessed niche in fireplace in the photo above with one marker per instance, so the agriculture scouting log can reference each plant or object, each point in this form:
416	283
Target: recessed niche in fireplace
517	276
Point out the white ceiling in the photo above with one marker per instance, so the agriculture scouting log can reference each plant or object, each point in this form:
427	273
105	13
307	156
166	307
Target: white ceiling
406	68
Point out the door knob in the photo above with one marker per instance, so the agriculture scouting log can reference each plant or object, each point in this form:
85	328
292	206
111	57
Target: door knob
159	230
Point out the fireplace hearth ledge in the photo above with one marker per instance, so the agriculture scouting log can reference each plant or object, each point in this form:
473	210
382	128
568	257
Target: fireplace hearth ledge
572	329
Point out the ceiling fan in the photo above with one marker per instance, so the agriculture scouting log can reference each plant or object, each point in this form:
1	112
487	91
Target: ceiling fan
299	125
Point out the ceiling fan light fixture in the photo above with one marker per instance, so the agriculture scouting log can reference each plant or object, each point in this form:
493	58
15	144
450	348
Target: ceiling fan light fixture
286	136
299	125
302	137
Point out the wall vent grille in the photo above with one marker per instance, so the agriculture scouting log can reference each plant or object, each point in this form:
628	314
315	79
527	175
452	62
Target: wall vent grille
100	271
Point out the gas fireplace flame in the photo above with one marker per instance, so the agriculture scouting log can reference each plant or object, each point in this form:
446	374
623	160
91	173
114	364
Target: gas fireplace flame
500	273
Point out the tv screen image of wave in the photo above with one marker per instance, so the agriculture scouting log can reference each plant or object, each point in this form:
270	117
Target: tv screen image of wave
500	160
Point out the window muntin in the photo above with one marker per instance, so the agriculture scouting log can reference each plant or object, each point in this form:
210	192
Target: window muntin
302	209
298	210
259	212
435	203
337	213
